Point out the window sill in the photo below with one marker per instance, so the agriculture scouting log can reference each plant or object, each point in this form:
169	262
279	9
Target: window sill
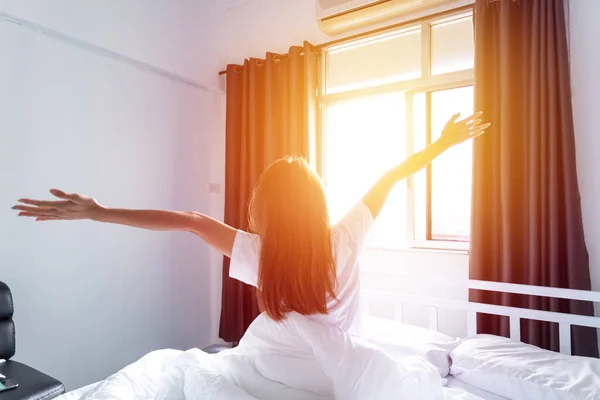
461	248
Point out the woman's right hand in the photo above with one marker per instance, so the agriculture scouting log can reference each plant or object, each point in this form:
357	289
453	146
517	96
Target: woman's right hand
456	132
72	206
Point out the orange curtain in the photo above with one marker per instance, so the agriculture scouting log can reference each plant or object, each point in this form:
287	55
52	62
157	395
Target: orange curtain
271	113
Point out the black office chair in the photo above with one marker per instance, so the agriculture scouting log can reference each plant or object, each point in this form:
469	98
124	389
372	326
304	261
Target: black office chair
33	385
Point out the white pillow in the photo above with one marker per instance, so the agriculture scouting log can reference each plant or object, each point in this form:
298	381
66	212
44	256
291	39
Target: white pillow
401	340
520	371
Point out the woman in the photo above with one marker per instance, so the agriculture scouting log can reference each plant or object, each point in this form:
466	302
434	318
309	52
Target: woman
296	259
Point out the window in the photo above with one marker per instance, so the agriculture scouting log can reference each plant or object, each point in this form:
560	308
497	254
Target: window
385	97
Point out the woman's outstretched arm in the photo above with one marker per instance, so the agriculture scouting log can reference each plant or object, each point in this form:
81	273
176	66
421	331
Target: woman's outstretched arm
215	233
454	133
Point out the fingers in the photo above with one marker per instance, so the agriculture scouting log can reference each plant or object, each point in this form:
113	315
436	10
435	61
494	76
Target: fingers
41	210
454	118
478	130
62	195
67	200
39	219
474	122
480	127
472	118
475	134
42	203
35	214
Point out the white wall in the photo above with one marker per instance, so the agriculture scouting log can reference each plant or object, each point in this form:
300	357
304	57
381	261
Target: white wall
181	36
585	64
92	298
257	26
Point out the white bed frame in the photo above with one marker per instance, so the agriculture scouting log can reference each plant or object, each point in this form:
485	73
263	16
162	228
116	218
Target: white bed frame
515	314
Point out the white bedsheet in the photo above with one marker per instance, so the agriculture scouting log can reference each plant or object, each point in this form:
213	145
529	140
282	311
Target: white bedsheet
298	359
456	388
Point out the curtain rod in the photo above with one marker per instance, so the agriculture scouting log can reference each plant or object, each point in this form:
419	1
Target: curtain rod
385	28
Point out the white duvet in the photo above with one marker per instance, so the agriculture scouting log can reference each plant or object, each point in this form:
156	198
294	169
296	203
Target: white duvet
296	359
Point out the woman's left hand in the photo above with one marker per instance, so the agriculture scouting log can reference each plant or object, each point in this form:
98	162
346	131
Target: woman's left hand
456	132
72	206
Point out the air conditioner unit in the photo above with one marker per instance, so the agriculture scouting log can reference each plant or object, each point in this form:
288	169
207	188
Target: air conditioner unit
339	16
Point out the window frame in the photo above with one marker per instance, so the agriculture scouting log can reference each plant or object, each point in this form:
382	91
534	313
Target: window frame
426	84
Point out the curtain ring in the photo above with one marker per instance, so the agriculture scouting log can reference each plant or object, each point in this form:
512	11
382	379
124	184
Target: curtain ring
276	58
237	69
259	64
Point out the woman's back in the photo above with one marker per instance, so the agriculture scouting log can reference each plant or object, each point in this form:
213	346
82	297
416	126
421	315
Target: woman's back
348	238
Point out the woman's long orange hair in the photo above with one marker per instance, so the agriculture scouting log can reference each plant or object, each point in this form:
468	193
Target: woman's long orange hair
289	212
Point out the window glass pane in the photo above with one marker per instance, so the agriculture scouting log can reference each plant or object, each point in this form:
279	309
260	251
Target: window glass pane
392	58
451	172
365	137
452	46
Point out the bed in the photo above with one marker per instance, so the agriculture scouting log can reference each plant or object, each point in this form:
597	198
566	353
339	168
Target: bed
462	390
476	367
466	391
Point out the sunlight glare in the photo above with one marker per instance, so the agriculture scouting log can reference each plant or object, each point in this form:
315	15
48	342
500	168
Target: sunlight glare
366	137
